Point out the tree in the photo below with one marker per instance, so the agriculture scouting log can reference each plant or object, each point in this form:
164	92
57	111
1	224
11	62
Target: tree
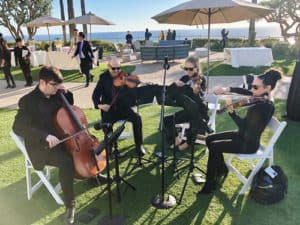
287	14
62	14
15	13
82	2
252	33
71	15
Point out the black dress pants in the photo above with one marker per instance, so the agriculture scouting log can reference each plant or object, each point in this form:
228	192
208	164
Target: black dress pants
25	67
7	73
225	142
113	116
190	114
59	157
85	66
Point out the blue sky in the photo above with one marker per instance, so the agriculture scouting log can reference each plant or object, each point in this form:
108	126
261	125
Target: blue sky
131	15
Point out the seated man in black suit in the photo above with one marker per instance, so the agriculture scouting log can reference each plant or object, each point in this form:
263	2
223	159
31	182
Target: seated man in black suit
116	102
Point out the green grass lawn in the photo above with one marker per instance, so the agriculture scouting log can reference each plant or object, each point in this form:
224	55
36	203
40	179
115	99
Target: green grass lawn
219	68
223	207
69	75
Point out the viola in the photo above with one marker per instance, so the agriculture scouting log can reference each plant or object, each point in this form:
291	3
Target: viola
123	79
244	102
71	125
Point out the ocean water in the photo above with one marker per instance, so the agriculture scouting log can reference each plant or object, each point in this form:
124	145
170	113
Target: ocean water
119	37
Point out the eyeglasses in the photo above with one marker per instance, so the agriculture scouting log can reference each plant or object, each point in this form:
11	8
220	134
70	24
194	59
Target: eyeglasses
53	84
256	87
115	68
188	68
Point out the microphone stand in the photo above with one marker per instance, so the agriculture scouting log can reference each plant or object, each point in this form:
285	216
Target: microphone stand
163	200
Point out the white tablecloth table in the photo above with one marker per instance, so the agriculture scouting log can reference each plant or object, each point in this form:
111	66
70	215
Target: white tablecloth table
63	61
37	58
252	56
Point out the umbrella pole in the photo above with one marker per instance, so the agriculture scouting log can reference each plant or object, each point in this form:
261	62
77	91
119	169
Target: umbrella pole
48	34
90	32
208	48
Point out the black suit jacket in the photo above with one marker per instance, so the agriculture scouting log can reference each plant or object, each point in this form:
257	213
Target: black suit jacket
103	93
86	50
34	122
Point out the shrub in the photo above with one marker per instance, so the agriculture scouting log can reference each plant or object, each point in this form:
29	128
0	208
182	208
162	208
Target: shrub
107	46
281	50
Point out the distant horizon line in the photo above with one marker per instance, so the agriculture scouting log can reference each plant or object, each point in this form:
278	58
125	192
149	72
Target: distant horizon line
238	27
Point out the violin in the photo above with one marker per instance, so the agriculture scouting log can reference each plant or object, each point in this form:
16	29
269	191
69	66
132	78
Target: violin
124	79
244	102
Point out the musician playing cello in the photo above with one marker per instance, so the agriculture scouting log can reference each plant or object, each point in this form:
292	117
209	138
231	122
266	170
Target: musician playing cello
115	102
34	122
247	138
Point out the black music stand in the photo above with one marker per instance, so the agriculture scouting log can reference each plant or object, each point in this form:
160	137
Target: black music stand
110	139
163	200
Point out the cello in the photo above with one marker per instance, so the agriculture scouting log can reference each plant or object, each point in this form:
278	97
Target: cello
70	121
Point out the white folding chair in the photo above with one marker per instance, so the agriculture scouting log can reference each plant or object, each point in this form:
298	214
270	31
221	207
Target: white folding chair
44	176
213	106
263	153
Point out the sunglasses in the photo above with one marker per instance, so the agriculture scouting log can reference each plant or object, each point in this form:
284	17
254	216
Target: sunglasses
53	84
256	87
115	68
188	68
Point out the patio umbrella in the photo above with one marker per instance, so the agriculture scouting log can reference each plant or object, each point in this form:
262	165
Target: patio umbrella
45	21
200	12
90	19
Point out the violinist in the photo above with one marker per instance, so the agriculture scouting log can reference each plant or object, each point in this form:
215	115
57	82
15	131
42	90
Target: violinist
34	122
115	102
246	139
187	93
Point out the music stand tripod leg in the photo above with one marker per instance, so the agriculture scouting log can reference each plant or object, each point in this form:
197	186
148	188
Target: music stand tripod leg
191	167
118	178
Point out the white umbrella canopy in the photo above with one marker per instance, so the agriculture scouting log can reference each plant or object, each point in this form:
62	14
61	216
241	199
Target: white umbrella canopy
45	21
200	12
90	19
196	12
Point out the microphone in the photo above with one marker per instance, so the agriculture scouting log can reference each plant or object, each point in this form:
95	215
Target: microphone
99	126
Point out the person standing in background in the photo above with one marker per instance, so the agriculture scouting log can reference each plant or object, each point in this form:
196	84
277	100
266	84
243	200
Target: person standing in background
169	34
147	34
129	38
162	35
73	41
224	40
5	63
22	58
174	35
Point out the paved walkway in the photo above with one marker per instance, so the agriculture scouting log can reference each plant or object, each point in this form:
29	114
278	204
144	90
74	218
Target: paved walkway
148	72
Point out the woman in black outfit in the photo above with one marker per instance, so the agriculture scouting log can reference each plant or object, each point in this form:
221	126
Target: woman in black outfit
5	64
247	138
186	93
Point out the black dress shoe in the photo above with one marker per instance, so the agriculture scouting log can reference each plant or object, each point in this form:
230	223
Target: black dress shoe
208	188
222	171
86	85
91	78
13	86
102	179
8	86
142	151
70	214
